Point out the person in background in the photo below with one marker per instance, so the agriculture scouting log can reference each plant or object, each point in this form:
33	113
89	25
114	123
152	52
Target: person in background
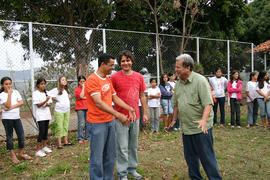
263	90
235	94
81	109
42	113
166	94
219	85
172	82
252	102
11	101
61	111
154	96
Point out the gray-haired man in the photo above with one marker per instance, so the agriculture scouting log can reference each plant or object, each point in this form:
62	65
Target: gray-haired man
193	104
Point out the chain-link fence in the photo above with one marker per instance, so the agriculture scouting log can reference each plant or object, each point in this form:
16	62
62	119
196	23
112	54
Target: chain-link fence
31	50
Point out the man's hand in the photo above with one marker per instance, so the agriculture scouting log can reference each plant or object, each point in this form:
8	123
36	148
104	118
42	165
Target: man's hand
132	114
202	125
171	125
122	118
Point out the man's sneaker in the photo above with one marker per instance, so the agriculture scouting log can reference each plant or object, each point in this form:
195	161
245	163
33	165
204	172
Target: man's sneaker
46	149
239	127
40	153
136	175
123	178
232	126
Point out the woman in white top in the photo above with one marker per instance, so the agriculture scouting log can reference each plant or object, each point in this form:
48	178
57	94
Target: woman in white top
252	103
10	101
263	98
61	110
42	113
219	85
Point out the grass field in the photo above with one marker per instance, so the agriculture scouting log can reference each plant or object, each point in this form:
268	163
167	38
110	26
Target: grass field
241	154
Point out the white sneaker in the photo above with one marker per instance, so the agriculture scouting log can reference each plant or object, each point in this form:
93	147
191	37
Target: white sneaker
46	149
239	127
40	153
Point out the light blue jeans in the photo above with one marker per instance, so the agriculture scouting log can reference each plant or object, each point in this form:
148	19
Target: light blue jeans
81	124
166	105
252	112
102	150
126	147
264	108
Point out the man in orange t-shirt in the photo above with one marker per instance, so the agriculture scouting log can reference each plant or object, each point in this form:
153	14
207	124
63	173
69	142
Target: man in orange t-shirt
100	124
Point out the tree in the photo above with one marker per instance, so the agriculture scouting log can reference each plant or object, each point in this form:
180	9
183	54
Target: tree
52	41
258	24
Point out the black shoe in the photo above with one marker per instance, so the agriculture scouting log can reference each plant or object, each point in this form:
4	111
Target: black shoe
69	144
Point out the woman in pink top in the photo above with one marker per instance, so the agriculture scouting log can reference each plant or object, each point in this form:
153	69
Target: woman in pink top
235	94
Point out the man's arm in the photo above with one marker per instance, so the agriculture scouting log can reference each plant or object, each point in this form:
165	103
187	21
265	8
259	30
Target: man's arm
123	105
104	107
205	116
144	106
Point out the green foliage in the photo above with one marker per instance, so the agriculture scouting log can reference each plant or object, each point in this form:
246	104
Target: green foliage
53	126
54	170
258	24
20	168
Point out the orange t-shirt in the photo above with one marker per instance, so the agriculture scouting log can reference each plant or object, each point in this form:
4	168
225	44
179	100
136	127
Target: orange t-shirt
103	86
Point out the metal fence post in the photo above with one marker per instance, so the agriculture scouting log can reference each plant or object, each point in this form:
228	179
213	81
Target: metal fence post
157	59
32	66
104	40
228	63
198	49
252	58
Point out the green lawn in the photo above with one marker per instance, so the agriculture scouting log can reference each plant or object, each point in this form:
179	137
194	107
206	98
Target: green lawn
241	154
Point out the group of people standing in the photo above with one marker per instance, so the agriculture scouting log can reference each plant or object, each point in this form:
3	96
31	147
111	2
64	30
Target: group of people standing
11	100
257	91
113	131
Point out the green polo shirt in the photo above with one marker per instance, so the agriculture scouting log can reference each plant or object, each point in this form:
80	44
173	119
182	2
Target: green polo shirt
191	98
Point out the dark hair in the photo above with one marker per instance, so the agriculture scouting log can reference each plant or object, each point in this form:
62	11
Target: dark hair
126	53
162	82
60	87
261	79
2	82
231	77
39	81
170	74
252	74
81	77
104	58
152	79
218	69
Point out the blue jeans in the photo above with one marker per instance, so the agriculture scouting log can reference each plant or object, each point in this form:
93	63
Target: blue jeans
221	103
9	125
102	150
166	105
81	124
199	148
252	112
264	108
126	147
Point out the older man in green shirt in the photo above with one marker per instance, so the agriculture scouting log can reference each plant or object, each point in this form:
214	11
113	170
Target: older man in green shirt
193	105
